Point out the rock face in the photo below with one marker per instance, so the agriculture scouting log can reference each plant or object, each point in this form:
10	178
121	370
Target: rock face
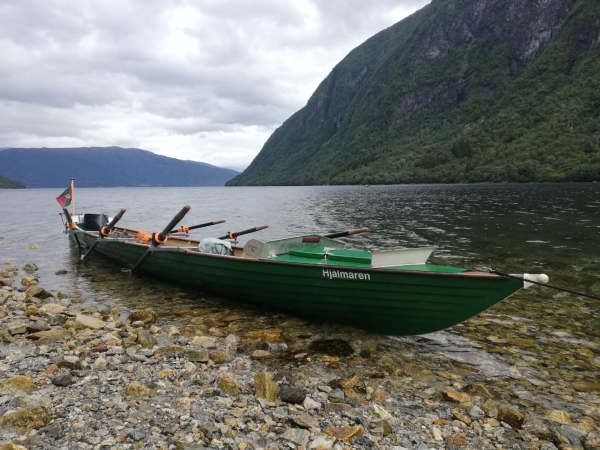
414	84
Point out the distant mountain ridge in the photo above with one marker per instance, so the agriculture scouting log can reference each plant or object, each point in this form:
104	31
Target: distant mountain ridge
106	167
460	91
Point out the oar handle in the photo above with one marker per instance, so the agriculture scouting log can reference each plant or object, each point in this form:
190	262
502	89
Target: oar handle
70	223
160	237
105	231
185	229
235	234
347	233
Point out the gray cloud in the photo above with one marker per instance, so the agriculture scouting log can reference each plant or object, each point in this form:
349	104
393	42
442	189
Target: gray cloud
205	80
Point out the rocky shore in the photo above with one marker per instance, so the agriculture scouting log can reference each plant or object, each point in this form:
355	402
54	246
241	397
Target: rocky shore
75	377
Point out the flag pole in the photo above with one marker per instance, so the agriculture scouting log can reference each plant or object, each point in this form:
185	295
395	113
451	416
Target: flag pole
72	196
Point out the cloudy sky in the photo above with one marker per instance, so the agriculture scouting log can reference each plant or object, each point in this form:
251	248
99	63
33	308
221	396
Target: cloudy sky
206	80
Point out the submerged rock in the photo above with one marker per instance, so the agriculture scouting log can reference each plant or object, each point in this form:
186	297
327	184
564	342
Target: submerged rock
29	281
147	316
89	322
333	347
30	267
37	292
49	337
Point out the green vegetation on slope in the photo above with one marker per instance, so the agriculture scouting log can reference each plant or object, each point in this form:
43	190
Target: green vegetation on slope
447	96
7	183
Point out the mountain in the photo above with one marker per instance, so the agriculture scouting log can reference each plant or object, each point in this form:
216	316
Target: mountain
106	167
7	183
461	91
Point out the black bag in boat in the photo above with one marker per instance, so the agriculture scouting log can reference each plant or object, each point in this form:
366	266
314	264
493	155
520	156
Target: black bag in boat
94	222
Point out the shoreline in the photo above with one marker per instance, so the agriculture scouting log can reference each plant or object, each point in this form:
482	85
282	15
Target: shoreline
73	376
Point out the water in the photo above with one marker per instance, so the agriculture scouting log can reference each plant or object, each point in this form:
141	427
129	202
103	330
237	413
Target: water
554	229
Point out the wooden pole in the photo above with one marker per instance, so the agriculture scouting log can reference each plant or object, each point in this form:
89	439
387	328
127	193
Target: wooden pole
72	196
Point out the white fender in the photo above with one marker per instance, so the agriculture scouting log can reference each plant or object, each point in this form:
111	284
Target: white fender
538	278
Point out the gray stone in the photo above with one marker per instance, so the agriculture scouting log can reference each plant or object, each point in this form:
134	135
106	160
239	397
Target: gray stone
296	436
69	362
137	435
336	396
378	412
89	322
55	431
62	380
292	394
309	403
574	434
548	446
476	412
145	339
17	328
36	327
322	443
115	351
305	421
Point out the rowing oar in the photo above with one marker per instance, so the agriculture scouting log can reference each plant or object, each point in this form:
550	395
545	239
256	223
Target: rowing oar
346	233
160	238
71	225
551	286
186	229
235	234
104	232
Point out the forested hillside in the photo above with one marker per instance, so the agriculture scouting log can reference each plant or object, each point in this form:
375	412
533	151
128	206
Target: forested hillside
461	91
7	183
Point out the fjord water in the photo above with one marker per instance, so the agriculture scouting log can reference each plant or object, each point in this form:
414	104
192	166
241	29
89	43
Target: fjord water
536	228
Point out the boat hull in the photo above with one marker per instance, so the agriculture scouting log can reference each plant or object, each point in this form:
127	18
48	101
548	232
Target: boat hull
398	303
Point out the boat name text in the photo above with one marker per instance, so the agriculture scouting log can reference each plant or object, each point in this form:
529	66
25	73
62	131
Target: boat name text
331	274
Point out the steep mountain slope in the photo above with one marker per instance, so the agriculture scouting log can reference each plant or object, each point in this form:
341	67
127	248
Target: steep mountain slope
106	167
461	91
7	183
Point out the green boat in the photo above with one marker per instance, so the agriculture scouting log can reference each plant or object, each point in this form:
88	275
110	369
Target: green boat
392	292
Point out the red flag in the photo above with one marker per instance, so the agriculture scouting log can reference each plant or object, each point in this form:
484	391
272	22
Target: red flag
64	199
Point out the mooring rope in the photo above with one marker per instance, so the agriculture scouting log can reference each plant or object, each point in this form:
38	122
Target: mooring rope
502	274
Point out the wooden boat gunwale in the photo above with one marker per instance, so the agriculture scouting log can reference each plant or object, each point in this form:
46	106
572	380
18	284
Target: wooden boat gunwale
192	249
